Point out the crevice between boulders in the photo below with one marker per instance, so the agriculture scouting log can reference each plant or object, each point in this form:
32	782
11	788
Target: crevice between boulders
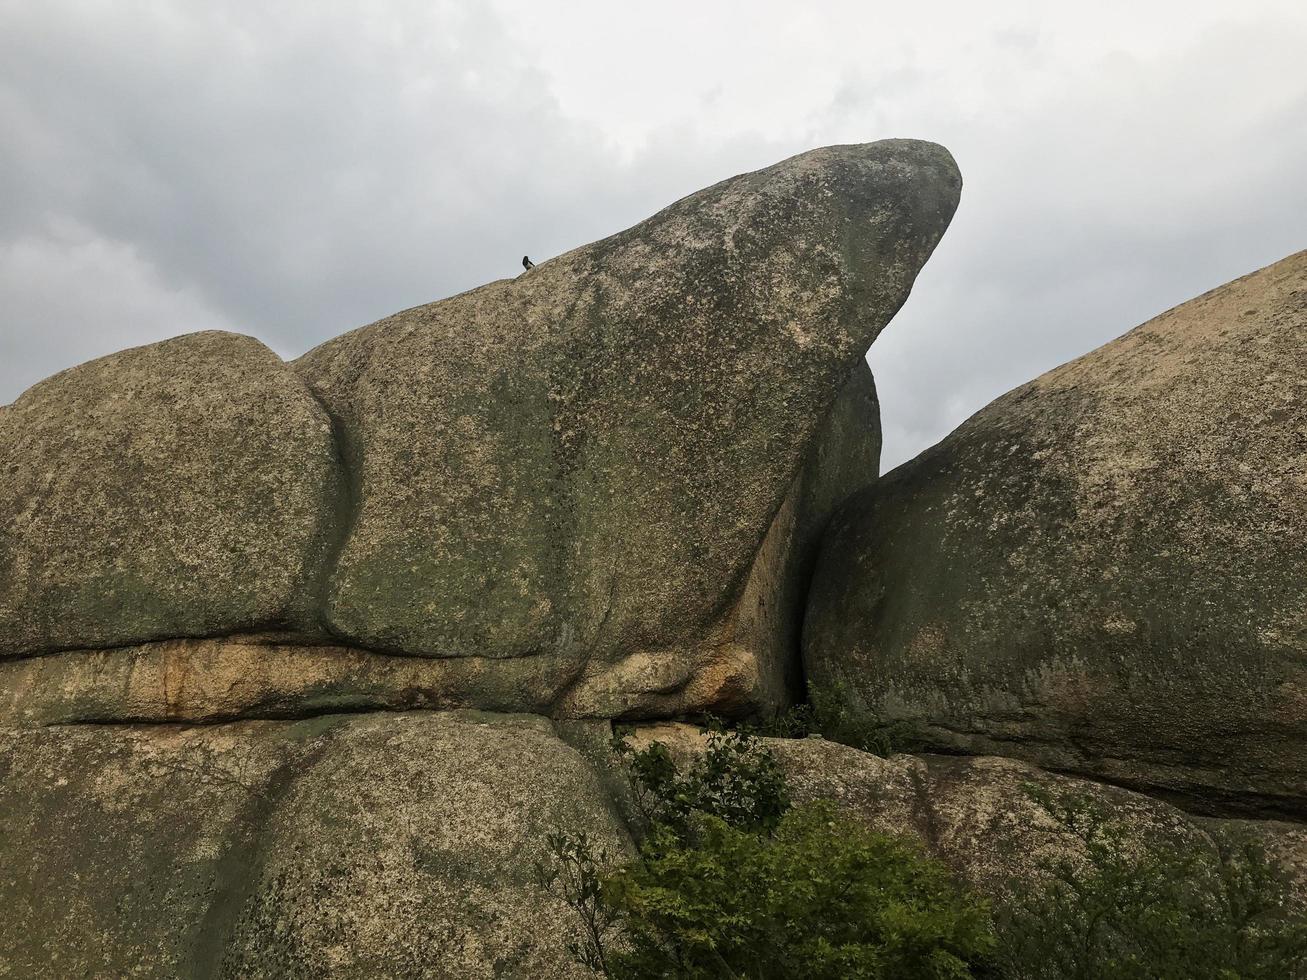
338	520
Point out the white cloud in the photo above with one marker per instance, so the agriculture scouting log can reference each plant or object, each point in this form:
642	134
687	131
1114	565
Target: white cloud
75	295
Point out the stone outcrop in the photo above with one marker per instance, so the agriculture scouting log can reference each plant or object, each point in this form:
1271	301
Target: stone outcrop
599	484
582	463
596	492
287	675
768	616
181	489
348	846
1104	571
403	845
980	814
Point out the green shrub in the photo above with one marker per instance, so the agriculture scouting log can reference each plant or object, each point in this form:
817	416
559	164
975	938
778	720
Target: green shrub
731	881
1160	909
574	873
736	779
822	897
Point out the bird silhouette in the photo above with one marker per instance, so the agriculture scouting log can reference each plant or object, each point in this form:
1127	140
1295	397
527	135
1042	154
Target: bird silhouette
527	263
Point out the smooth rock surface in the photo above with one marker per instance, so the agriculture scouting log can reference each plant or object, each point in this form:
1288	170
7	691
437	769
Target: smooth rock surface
583	463
344	846
768	618
185	488
283	676
1105	570
599	485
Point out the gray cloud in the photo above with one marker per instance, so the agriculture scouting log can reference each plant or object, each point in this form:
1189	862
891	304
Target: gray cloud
293	172
1130	187
288	182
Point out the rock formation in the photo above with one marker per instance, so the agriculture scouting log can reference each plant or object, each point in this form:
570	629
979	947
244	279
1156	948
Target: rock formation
591	490
596	492
1104	571
378	845
402	845
180	489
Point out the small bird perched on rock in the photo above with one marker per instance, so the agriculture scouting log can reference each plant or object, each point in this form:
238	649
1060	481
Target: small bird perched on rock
527	263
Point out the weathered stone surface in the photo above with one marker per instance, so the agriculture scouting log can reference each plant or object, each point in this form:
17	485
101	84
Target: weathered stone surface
276	676
977	814
179	489
345	846
227	678
600	485
768	617
402	844
582	464
1104	571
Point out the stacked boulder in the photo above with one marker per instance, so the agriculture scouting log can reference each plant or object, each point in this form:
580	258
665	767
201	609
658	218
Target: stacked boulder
595	489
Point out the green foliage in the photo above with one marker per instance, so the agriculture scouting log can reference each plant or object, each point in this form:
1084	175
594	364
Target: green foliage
822	898
736	779
573	874
1118	907
732	882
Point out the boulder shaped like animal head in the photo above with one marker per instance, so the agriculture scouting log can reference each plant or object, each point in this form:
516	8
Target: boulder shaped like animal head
591	490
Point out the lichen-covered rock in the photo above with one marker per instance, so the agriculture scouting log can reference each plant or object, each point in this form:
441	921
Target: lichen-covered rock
403	844
270	676
582	464
768	616
179	489
1104	571
599	485
222	678
348	846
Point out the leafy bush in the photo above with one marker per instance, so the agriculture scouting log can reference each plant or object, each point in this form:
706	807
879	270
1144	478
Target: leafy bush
574	874
730	881
822	897
735	778
1163	910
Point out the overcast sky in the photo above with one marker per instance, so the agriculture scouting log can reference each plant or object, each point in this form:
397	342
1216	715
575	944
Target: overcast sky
293	170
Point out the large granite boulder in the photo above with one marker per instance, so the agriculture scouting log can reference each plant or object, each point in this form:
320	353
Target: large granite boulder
180	489
582	463
592	490
347	846
1104	571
